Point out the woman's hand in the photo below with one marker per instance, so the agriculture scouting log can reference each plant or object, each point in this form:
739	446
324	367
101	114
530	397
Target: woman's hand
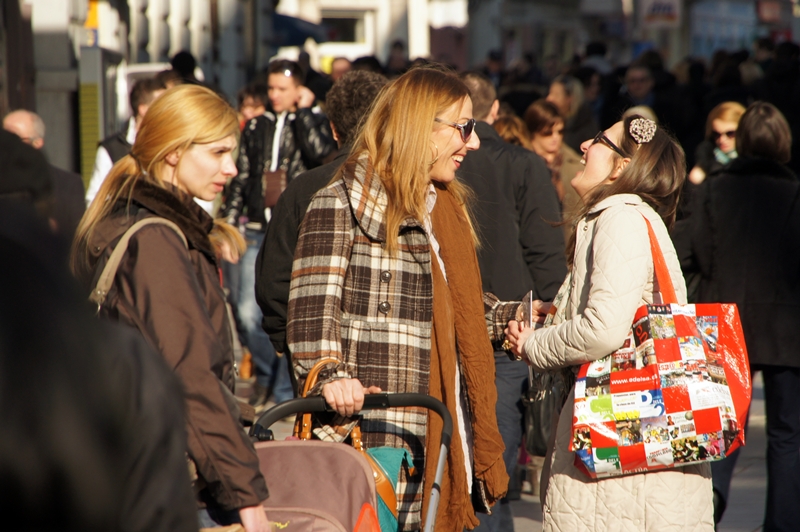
516	334
254	519
227	252
539	310
346	396
697	175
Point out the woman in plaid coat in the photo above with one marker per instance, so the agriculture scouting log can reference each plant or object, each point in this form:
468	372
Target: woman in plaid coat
385	281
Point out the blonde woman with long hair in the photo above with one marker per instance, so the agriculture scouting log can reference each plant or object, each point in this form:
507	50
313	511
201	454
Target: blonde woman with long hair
170	291
386	281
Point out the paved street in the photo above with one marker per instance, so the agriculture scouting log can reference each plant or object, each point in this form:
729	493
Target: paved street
745	509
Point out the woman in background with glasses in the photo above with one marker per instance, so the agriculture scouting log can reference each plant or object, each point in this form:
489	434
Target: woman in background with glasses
719	146
386	282
546	126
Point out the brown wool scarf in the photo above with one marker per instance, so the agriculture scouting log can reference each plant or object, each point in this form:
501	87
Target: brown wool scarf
458	319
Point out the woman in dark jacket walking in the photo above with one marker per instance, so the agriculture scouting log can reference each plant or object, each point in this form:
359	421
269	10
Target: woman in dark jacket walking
170	291
743	237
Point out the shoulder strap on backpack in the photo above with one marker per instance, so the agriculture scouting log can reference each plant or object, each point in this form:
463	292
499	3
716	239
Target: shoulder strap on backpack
106	279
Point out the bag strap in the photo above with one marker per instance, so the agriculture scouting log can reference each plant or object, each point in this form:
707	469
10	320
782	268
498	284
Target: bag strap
302	425
106	279
661	272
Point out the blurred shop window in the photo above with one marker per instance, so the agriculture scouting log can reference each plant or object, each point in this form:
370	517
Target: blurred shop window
345	29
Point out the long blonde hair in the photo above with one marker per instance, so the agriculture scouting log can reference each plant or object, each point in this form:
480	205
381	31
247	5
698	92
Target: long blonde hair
182	116
397	138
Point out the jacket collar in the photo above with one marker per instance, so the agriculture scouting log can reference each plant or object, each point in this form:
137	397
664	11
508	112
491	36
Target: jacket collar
368	198
757	166
171	203
485	131
616	199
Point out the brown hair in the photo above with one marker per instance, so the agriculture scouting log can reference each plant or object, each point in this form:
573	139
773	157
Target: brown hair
257	90
513	130
397	138
764	132
655	173
482	92
288	68
349	100
541	116
727	112
182	116
143	93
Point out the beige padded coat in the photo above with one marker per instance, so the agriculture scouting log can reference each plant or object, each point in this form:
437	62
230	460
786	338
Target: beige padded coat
612	277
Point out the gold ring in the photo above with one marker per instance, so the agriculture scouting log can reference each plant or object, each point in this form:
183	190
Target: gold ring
506	345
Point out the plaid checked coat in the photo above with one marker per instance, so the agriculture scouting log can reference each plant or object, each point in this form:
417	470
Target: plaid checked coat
350	300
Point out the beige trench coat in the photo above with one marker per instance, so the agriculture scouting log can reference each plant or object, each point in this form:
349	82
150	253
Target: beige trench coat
612	277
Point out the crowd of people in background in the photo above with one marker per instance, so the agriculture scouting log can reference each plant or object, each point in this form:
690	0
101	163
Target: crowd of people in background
515	137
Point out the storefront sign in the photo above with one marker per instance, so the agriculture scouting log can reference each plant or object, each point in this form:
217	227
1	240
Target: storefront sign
660	13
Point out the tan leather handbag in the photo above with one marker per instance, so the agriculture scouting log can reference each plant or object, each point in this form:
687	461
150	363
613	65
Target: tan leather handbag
302	430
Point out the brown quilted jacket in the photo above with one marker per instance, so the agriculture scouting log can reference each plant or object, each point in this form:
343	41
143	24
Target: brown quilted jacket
173	297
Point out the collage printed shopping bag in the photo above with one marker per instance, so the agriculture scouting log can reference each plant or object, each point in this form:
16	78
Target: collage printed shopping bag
676	393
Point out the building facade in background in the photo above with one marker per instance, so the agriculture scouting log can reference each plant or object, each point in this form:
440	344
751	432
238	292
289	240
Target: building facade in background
82	95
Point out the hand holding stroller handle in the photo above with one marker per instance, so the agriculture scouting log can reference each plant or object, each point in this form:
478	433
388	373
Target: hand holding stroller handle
374	401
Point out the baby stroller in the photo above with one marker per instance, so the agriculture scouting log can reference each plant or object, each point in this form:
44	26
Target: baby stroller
323	486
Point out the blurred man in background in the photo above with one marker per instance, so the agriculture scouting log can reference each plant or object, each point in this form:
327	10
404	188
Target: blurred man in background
68	205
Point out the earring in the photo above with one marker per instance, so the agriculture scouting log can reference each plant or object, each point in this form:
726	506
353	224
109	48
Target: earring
437	155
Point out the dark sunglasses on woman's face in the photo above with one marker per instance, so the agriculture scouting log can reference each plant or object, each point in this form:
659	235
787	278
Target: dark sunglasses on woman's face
464	129
729	134
601	137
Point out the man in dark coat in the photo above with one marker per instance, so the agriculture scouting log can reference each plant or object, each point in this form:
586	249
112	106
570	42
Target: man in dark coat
641	87
292	137
743	237
68	203
521	250
347	103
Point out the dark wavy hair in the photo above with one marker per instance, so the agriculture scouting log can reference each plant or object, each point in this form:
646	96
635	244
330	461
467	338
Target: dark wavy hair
655	173
349	100
541	116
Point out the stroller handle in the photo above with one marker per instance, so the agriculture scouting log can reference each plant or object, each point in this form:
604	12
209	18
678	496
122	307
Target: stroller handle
372	401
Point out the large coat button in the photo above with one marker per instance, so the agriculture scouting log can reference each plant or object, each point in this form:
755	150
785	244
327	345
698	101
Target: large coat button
385	307
386	276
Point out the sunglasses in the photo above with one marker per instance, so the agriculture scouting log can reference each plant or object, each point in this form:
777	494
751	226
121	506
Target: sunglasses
552	131
716	135
464	129
601	137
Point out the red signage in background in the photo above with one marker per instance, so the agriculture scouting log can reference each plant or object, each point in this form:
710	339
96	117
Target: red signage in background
781	35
